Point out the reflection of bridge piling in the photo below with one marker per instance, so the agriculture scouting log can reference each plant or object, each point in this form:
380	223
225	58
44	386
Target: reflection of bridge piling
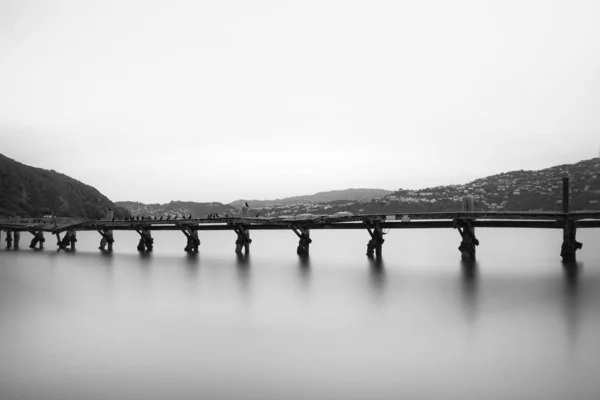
464	221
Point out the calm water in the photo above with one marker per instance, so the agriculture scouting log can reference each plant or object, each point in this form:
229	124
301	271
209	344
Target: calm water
87	325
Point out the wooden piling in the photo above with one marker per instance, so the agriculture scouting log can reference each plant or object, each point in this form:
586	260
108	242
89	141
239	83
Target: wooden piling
38	238
243	239
570	245
70	239
109	217
467	231
107	239
73	238
378	233
375	245
305	240
195	240
192	239
9	239
41	239
146	242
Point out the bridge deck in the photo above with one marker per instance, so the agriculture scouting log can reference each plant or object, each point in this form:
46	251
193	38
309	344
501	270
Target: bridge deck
376	224
551	220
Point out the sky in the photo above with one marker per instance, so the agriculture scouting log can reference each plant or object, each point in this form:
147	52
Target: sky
155	101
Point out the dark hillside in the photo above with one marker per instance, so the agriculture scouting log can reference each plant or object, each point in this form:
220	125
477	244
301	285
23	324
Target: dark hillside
28	191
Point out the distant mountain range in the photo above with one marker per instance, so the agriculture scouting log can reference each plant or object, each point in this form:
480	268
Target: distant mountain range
177	208
30	192
510	191
321	197
201	209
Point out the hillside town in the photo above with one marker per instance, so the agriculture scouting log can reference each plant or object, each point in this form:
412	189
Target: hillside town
510	191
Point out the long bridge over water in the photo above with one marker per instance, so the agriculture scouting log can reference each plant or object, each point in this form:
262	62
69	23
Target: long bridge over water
465	222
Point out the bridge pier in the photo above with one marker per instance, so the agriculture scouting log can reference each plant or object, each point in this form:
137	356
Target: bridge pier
375	245
9	239
469	241
243	239
146	242
69	239
467	231
193	241
107	239
305	240
570	245
38	238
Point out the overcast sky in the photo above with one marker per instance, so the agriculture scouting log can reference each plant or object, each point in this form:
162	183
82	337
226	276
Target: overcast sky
218	100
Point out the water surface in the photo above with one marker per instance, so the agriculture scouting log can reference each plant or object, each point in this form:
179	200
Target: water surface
416	325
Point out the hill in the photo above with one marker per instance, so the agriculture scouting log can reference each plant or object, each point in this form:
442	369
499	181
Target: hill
321	197
176	208
510	191
27	191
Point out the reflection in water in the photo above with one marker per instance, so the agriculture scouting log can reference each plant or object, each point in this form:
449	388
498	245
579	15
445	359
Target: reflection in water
470	288
156	321
145	259
304	261
377	275
107	255
243	270
145	256
192	262
304	266
242	260
192	257
106	258
571	297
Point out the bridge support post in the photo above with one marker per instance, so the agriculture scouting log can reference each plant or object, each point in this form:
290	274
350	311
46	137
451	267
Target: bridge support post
469	241
193	241
9	239
17	239
146	242
107	239
69	239
375	245
243	239
72	237
305	240
467	231
570	245
38	238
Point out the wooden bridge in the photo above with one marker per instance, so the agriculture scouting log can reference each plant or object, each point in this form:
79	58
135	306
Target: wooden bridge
464	222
